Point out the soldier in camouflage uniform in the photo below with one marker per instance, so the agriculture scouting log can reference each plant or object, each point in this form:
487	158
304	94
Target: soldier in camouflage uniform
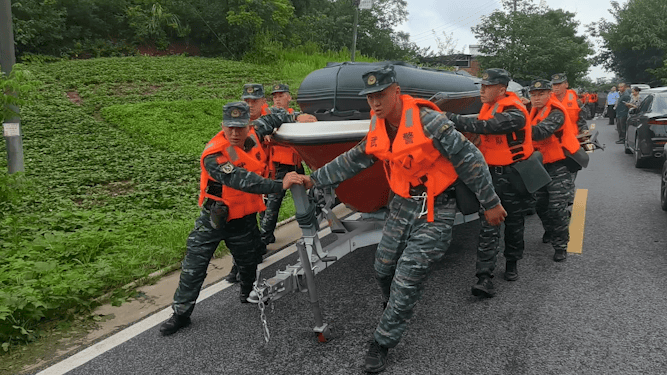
569	99
553	132
232	166
412	240
283	159
253	95
504	138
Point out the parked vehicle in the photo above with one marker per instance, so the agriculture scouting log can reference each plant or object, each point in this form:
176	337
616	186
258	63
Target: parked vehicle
647	127
642	86
663	183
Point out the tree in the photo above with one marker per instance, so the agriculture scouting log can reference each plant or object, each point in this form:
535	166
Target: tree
329	25
634	43
533	42
154	24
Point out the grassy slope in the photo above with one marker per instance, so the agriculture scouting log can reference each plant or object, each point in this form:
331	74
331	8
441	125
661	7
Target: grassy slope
102	204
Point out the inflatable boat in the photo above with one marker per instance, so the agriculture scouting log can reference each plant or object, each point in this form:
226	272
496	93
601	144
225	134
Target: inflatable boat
320	142
332	95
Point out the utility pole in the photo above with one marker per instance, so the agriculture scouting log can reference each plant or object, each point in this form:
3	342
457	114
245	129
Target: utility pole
515	5
358	4
354	27
11	129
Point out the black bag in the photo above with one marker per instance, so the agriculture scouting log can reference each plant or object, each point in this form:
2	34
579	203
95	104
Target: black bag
466	200
219	213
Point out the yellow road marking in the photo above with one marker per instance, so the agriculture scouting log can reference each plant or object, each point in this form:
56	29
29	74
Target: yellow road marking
577	222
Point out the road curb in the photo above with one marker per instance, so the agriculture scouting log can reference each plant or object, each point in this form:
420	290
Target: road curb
173	267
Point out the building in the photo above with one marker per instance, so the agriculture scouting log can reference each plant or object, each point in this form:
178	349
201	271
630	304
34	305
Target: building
461	61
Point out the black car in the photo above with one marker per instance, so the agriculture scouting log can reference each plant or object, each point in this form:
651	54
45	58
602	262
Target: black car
647	127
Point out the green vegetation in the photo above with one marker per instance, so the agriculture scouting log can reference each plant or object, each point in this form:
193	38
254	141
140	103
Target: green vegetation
13	89
634	42
112	166
232	28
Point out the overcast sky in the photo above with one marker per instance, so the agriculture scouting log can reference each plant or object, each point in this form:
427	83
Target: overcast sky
459	16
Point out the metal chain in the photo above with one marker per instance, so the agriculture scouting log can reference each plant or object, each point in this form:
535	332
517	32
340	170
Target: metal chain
262	314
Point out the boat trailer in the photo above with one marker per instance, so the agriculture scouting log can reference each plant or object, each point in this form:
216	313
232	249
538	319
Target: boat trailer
353	232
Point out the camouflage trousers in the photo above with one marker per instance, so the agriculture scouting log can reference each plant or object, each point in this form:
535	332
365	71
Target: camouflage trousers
409	247
552	204
241	237
516	201
269	218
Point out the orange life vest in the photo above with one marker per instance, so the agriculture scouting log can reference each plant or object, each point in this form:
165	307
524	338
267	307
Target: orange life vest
281	154
495	147
572	109
564	138
240	203
594	98
411	160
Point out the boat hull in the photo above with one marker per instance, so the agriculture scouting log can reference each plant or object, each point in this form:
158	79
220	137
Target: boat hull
320	142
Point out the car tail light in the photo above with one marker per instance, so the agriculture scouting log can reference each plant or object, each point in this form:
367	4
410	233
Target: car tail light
657	122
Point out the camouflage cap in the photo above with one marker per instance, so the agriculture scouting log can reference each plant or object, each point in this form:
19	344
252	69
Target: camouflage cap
236	115
378	79
496	76
280	87
558	78
539	84
252	91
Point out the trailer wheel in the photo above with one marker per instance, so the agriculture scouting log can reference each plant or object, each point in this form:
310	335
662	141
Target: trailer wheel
324	336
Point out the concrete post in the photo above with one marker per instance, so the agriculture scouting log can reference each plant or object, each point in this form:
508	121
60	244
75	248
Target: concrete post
11	129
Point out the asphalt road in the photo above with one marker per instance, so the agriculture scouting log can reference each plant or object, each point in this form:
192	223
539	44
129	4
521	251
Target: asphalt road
600	312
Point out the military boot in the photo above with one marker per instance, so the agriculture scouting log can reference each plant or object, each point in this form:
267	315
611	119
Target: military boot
484	287
233	275
376	358
560	255
247	279
173	324
268	238
243	296
511	271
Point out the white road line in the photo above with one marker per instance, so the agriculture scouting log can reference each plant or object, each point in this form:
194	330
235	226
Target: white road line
144	325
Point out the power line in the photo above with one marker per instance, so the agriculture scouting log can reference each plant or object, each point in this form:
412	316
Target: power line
483	6
475	11
450	26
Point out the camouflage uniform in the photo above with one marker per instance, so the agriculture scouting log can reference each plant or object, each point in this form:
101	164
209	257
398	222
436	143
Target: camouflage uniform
553	199
410	244
582	125
515	201
240	235
269	218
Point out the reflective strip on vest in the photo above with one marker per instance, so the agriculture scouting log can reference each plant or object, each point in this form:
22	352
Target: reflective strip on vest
413	156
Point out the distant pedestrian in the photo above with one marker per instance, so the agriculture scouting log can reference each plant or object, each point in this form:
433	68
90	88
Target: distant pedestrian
622	111
612	98
635	99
